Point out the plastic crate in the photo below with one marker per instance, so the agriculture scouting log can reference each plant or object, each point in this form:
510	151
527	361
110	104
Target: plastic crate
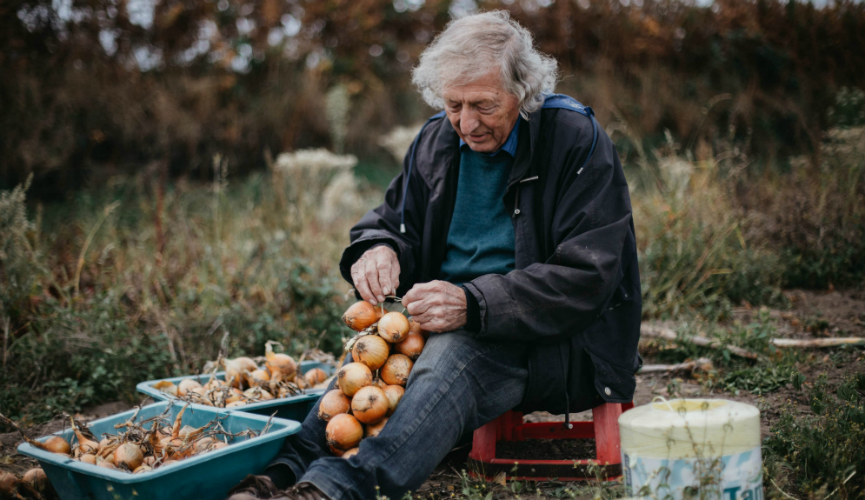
204	477
292	408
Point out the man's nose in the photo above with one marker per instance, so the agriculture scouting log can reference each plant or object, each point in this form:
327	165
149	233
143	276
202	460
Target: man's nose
468	121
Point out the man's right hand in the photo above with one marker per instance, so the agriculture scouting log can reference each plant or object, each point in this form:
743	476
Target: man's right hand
376	274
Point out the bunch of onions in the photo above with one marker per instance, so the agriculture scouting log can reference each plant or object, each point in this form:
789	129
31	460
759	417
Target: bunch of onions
353	377
361	316
343	432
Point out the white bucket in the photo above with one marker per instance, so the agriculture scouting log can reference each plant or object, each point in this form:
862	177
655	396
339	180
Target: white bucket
692	448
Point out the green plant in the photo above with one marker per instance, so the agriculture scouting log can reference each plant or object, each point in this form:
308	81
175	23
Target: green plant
822	453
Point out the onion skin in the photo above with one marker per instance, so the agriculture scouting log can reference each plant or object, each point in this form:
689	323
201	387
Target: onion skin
374	430
393	327
350	453
412	346
370	350
56	444
369	405
333	403
343	432
352	377
396	369
315	376
394	394
360	316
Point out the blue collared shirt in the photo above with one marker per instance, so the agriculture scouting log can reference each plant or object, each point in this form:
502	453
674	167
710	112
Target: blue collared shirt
510	145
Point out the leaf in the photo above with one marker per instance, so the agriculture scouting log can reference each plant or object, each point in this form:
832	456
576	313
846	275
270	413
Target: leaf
501	478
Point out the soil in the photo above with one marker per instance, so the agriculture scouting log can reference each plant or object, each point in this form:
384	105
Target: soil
811	315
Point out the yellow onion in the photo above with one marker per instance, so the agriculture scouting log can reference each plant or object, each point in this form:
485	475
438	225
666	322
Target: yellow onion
166	386
414	327
379	383
36	479
203	399
369	405
299	380
105	464
396	369
360	316
149	460
281	366
343	432
8	485
258	393
203	444
411	347
257	377
56	444
218	445
84	445
332	404
315	376
374	430
128	456
352	377
186	385
393	327
370	350
336	451
350	453
235	368
142	468
394	394
213	383
88	458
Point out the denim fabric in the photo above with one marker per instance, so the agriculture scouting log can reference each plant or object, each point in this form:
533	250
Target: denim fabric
457	385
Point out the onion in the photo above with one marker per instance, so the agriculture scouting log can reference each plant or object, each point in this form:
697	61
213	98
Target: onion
336	451
360	316
203	444
128	456
218	445
370	350
281	366
393	327
379	383
186	385
257	377
299	380
258	393
142	468
149	460
369	405
332	404
352	377
36	479
167	387
394	394
396	369
343	432
412	346
88	458
374	430
235	368
105	464
414	327
350	453
8	485
84	445
315	376
56	444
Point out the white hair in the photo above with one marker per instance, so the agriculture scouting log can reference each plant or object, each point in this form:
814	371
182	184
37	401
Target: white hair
472	46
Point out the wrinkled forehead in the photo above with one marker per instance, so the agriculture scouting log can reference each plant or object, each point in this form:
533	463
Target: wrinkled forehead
477	86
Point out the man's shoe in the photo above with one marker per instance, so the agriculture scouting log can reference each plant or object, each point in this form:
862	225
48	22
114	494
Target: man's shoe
303	491
254	488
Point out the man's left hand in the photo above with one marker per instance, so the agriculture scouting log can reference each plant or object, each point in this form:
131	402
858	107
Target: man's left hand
438	306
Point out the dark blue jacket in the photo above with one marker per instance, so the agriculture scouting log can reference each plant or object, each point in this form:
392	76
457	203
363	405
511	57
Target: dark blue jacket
576	285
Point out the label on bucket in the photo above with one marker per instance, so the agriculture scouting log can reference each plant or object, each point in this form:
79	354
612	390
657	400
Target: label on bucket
730	477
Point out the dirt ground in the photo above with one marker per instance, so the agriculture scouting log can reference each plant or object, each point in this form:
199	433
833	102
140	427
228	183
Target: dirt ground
812	315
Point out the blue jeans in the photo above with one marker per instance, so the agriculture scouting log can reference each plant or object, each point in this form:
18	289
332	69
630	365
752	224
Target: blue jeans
457	385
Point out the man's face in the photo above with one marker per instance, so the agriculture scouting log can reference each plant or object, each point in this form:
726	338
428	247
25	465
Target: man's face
482	112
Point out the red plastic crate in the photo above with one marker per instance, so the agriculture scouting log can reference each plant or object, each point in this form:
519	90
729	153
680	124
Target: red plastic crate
603	427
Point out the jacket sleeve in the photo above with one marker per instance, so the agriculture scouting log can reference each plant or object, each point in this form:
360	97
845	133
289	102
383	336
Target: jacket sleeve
382	225
590	225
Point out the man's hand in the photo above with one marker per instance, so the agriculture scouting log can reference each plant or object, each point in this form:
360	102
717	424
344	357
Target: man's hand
376	274
438	306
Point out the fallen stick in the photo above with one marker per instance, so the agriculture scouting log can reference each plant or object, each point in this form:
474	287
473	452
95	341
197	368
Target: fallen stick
668	334
703	364
819	342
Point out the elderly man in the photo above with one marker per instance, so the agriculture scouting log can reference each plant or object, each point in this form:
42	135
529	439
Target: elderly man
509	235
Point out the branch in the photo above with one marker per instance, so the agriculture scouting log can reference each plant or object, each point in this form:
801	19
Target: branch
702	364
668	334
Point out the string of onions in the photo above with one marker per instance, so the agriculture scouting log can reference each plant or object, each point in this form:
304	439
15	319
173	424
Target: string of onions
369	388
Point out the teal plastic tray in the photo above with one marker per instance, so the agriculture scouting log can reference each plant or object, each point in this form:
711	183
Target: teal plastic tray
204	477
293	408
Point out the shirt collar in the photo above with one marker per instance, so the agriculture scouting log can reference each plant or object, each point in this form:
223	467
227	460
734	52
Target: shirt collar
510	145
